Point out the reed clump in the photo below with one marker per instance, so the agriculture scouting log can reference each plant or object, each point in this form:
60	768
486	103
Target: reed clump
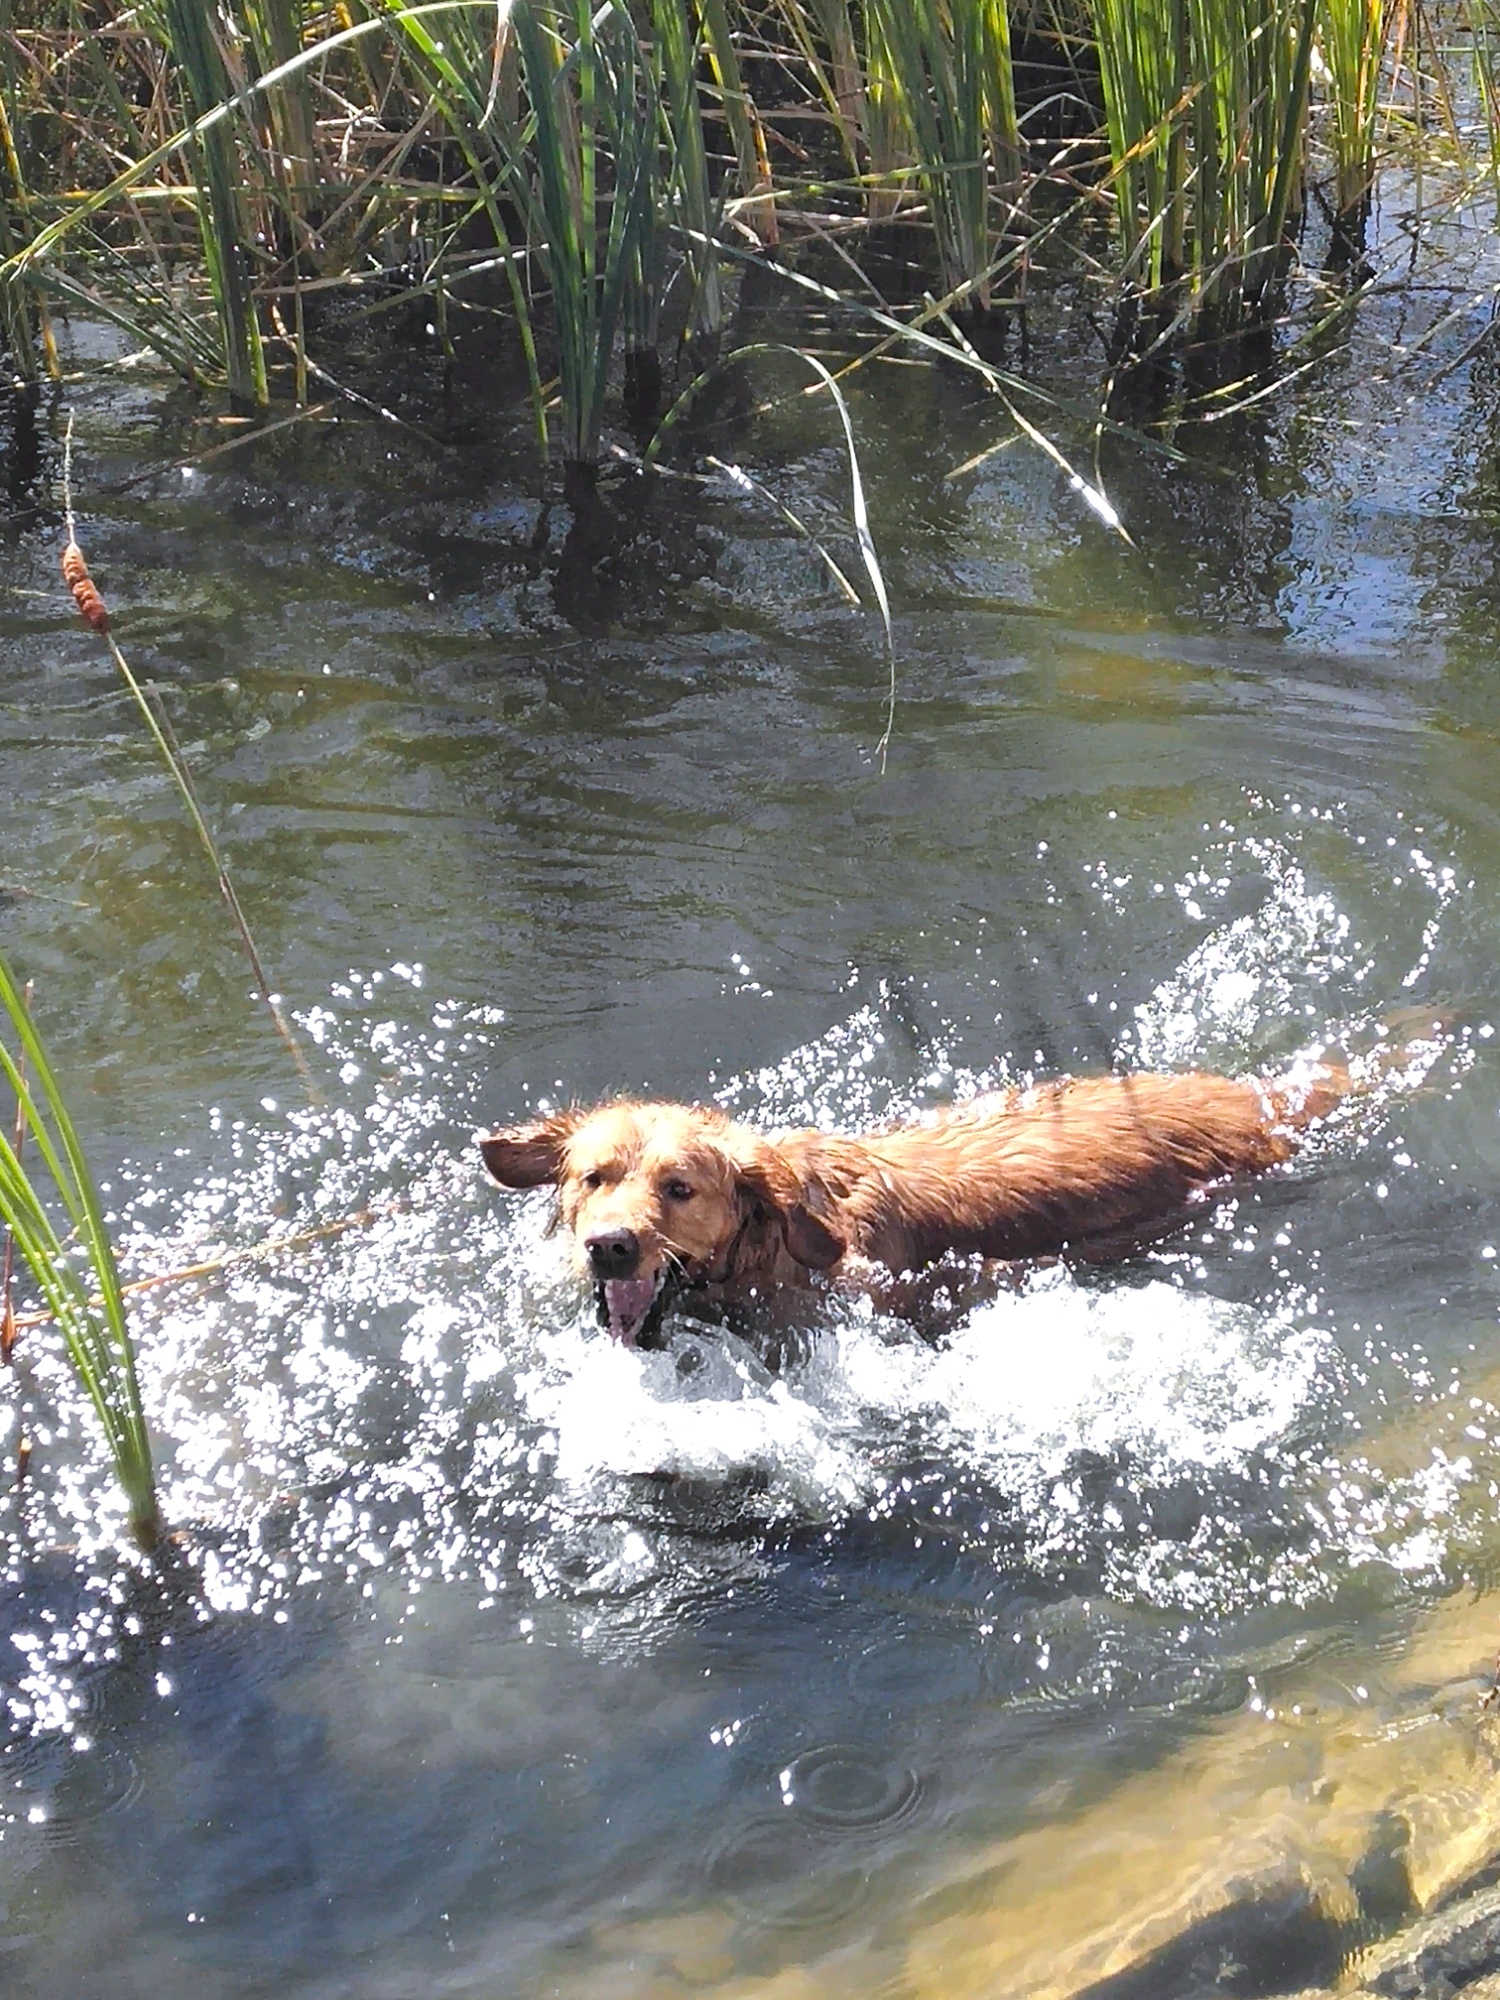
210	174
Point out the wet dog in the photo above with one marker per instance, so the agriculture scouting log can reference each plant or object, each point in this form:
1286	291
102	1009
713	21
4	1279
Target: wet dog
662	1199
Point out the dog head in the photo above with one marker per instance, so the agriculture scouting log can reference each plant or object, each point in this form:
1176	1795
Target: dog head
657	1196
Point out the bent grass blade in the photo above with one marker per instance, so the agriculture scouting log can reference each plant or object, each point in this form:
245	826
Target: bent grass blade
859	512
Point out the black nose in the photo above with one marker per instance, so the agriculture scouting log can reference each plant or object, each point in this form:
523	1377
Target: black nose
615	1253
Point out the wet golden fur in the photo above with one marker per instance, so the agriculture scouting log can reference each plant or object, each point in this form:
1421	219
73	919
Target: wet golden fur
1088	1166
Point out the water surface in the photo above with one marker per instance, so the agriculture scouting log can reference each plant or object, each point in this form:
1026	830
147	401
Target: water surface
510	1662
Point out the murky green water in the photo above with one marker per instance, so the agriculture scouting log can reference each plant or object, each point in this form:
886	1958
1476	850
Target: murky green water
466	1699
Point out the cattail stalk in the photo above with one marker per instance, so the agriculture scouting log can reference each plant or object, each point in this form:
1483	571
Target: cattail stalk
95	614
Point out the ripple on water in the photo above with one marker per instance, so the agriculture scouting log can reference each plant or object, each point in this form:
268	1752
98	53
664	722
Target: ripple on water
780	1875
955	1668
60	1784
846	1789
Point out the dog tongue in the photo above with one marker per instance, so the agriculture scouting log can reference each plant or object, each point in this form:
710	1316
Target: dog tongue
627	1302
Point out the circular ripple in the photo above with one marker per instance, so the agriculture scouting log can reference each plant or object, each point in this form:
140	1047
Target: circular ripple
778	1874
52	1783
845	1788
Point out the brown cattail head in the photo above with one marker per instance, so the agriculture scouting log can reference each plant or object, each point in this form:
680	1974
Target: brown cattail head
85	593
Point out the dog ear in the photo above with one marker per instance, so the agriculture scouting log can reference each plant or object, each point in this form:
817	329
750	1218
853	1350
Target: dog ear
769	1185
809	1238
527	1156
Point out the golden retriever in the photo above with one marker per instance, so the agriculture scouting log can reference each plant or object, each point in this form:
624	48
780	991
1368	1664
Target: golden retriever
661	1198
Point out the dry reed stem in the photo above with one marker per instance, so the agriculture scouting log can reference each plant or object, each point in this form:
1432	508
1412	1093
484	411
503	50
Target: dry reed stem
213	1267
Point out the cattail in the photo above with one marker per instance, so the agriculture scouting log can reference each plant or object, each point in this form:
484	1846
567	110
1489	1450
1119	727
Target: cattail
85	592
23	1459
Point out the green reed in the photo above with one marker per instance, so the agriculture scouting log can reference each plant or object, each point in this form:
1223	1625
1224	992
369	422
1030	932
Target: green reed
690	195
1206	104
558	110
59	1249
193	30
747	132
1142	63
23	315
592	159
1485	24
198	173
941	72
289	149
828	37
1353	36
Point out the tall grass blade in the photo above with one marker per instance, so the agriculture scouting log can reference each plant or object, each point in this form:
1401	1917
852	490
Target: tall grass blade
1091	495
227	239
822	33
8	1262
1353	41
945	68
1142	60
757	207
594	119
691	193
94	1329
23	313
858	510
1206	105
274	36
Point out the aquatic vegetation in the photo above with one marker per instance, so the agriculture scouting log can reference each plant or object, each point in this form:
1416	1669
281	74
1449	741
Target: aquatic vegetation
595	108
1206	109
1353	40
193	32
944	75
206	176
23	315
90	1313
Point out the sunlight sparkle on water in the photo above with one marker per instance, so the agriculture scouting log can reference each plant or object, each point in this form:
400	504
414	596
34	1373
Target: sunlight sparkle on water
425	1395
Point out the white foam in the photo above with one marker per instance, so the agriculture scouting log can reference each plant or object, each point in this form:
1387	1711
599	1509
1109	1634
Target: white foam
1178	1381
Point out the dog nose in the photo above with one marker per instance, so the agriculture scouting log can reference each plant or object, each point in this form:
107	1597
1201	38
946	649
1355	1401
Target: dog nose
614	1253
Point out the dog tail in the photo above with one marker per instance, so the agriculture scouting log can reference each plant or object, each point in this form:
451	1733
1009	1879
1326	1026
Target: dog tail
1403	1049
1308	1091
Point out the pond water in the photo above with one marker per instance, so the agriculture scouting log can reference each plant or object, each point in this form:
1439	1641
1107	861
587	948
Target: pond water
509	1662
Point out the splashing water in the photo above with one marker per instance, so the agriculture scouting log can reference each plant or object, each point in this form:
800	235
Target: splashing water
425	1396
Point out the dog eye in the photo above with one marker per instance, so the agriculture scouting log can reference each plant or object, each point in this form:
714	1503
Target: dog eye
679	1191
593	1180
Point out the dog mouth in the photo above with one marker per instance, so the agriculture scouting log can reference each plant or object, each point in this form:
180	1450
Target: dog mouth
630	1309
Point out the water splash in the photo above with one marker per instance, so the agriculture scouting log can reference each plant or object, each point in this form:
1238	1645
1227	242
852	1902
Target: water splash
425	1397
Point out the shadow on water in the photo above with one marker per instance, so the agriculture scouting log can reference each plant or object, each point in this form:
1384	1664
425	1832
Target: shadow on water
29	456
509	1660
